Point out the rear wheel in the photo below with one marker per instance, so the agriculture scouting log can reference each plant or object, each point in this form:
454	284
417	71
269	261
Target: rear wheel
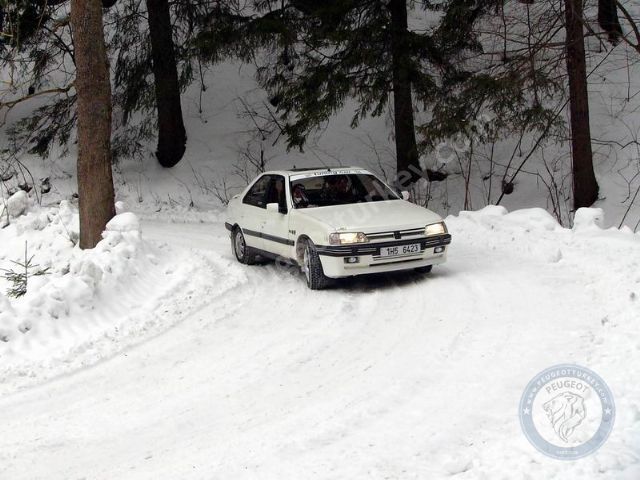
240	249
312	268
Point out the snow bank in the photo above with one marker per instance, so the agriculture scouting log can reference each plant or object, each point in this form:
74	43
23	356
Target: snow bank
578	289
74	278
89	303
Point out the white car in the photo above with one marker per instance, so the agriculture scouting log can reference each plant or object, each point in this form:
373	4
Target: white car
333	223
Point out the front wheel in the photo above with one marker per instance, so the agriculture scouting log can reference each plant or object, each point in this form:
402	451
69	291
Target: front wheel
240	248
312	268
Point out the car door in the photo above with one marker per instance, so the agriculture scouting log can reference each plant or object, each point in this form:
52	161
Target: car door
275	230
253	212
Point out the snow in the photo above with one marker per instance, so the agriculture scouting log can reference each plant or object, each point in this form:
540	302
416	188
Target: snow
91	303
183	363
16	204
588	218
124	222
156	355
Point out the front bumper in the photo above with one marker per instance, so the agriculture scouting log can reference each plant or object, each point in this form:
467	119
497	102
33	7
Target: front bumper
348	260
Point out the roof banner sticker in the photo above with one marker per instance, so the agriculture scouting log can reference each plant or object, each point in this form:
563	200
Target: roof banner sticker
322	173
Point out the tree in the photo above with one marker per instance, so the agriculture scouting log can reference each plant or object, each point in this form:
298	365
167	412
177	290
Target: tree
95	182
37	41
36	51
172	136
519	80
585	186
608	19
317	55
406	148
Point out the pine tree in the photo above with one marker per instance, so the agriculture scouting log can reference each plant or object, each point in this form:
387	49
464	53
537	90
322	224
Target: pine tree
39	42
172	136
317	55
401	59
148	86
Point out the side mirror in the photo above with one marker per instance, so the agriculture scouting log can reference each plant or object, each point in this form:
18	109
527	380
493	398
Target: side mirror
405	195
274	207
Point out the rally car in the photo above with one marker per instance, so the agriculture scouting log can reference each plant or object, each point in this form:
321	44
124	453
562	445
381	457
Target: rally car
333	223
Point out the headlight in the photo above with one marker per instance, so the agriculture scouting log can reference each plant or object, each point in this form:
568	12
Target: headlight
435	229
345	238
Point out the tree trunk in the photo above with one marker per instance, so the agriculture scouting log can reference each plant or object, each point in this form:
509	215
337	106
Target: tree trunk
172	138
608	19
407	161
585	187
93	87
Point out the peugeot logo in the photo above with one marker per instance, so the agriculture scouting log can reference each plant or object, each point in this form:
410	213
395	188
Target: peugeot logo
397	235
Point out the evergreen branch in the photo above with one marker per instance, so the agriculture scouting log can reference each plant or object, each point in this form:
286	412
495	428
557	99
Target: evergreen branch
12	103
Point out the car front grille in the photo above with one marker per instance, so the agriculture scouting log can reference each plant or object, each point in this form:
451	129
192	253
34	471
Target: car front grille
397	234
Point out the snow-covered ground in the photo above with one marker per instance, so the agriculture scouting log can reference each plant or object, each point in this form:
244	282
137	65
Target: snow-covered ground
91	303
219	370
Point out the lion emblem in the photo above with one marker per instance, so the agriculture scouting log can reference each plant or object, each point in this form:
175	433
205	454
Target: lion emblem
565	411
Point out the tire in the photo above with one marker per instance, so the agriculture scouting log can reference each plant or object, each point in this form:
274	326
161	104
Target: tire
312	268
424	270
240	249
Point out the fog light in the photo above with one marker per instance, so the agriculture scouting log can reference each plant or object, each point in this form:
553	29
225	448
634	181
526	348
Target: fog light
351	260
438	250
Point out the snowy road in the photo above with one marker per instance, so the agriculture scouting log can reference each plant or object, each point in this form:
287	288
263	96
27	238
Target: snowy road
397	376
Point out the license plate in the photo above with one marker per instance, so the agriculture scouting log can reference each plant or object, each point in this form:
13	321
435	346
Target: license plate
400	250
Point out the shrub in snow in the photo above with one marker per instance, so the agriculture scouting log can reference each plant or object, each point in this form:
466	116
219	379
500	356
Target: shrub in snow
19	276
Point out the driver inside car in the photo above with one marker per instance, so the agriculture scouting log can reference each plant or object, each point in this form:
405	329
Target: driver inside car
337	188
300	198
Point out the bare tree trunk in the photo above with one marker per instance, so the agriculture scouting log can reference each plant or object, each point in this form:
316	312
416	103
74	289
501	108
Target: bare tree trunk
172	137
406	149
585	186
95	180
608	19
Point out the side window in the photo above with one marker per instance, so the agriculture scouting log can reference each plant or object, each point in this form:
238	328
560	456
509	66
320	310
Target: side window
276	193
257	195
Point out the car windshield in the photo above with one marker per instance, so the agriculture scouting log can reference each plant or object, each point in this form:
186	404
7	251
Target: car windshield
339	189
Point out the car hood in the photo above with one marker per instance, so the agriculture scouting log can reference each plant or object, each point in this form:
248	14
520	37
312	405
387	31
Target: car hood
373	216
